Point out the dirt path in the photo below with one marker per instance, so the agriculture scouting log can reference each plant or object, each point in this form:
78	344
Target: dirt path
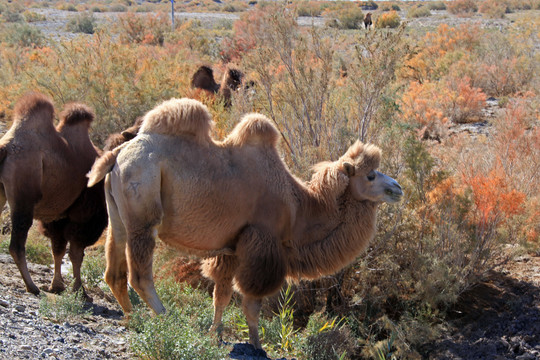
497	319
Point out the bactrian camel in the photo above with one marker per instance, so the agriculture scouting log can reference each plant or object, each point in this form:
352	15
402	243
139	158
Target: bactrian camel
234	202
42	176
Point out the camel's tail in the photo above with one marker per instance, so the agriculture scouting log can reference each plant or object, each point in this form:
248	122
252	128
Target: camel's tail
103	165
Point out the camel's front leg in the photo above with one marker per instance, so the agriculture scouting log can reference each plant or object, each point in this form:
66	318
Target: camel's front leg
252	307
21	222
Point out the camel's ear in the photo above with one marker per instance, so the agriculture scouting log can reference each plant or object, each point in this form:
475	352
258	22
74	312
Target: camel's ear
349	169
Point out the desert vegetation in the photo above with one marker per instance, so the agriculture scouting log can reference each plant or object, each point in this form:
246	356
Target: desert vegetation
453	106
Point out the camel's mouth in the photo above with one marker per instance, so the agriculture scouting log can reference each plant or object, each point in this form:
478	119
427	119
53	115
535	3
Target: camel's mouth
394	194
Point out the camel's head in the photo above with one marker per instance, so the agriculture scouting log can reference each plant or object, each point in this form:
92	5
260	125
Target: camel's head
360	163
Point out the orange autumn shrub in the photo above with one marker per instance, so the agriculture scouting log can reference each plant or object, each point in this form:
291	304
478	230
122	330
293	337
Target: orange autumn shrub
143	29
464	102
438	50
495	9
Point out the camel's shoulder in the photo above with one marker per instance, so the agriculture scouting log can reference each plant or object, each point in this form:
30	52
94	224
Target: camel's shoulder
254	129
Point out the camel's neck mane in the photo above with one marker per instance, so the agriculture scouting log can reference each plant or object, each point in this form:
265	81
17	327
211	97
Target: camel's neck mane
336	228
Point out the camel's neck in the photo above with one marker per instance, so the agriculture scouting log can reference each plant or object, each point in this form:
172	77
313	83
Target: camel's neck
330	240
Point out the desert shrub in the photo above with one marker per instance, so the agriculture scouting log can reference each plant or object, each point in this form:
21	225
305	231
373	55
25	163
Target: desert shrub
117	8
503	66
233	7
465	102
388	20
462	7
437	5
37	247
179	334
493	9
143	29
82	23
347	18
23	35
93	267
395	7
308	8
31	16
439	50
67	7
325	338
66	306
11	16
418	11
97	9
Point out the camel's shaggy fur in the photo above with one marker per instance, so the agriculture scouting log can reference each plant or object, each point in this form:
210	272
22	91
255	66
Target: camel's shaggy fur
42	176
232	80
236	197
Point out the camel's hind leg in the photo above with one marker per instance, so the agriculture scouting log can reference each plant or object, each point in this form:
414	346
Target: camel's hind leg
141	243
54	231
221	269
115	253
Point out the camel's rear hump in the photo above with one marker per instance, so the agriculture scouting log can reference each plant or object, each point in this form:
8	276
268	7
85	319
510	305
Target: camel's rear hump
34	109
254	129
179	117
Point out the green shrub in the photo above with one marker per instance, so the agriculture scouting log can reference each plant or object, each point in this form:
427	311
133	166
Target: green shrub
63	307
418	11
83	23
348	18
37	248
12	16
31	16
388	20
93	267
396	7
179	334
462	7
117	8
437	5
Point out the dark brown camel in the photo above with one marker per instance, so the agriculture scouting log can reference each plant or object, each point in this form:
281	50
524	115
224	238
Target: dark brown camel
118	139
42	176
204	79
367	20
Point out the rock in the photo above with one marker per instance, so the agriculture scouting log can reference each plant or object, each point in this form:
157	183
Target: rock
4	303
20	308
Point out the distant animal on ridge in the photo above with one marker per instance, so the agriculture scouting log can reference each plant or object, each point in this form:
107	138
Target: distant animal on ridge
367	20
235	203
42	176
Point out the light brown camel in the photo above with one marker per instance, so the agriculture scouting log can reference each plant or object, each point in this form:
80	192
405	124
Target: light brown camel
42	176
236	202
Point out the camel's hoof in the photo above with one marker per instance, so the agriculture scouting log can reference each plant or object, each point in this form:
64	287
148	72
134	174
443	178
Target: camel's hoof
57	289
33	289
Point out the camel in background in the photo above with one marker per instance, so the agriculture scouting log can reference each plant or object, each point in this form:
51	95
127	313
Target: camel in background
42	176
367	21
235	203
232	80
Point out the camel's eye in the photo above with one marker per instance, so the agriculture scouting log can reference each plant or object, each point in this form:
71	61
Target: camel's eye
371	176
